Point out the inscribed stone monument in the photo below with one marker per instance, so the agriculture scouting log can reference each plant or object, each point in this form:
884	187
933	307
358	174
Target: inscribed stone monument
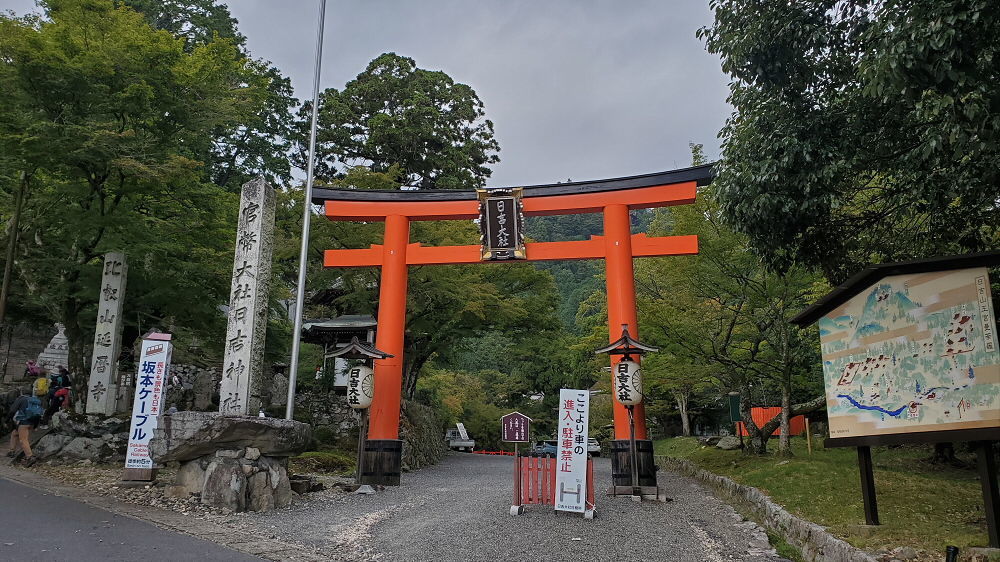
243	386
102	386
56	353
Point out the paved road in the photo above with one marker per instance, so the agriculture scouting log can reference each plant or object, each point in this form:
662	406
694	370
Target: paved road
37	526
458	510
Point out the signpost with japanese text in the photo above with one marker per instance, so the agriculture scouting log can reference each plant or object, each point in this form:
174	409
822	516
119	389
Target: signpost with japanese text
571	450
240	392
153	369
516	427
101	387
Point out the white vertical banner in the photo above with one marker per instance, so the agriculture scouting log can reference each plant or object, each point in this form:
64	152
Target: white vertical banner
571	450
152	370
101	385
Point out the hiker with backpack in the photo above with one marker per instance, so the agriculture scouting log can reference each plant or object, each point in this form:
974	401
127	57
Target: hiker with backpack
27	413
40	388
60	398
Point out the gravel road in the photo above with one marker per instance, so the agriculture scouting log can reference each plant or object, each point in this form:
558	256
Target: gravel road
458	510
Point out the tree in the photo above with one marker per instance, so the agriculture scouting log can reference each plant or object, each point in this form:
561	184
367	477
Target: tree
862	131
394	113
102	111
259	144
722	314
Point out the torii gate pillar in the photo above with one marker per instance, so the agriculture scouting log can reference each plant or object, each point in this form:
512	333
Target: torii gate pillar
620	275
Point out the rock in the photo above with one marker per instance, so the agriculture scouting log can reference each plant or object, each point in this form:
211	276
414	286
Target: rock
709	440
261	494
50	445
189	435
252	453
277	476
229	453
907	553
174	491
85	448
728	443
190	476
225	485
302	484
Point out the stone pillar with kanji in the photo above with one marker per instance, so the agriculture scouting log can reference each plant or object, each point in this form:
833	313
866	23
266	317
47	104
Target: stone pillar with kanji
242	389
102	395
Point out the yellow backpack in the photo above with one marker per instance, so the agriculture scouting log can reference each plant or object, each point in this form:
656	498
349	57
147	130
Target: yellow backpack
41	386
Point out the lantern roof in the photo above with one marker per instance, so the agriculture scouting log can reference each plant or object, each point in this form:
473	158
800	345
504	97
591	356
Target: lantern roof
627	345
359	350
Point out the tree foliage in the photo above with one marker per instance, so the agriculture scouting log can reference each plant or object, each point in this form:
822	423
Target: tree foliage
862	131
106	116
395	113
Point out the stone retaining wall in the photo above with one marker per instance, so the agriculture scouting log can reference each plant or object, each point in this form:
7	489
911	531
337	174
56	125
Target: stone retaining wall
815	543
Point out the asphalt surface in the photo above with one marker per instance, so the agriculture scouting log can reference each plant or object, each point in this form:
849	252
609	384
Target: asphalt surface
459	510
36	526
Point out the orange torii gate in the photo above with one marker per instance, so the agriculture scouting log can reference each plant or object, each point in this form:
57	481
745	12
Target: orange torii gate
612	197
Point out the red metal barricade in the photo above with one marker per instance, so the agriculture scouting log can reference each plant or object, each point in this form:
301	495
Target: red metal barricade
535	483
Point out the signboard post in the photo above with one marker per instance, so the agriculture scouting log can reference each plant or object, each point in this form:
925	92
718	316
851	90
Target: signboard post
910	356
571	450
152	371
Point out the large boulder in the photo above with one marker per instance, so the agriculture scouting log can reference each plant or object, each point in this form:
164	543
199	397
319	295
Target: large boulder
185	436
86	448
728	443
225	485
50	445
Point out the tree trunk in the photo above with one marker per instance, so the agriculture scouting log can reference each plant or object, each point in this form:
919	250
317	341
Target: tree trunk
79	372
682	407
757	442
784	445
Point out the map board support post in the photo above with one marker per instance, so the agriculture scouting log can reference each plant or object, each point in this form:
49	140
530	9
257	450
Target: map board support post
986	461
868	485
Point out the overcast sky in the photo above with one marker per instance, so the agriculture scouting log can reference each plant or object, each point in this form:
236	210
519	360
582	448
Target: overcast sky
580	89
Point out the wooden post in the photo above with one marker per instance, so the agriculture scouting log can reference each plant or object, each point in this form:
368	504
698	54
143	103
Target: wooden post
991	497
362	428
809	443
868	485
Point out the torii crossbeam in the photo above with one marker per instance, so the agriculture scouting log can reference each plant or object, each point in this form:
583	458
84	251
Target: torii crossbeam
614	198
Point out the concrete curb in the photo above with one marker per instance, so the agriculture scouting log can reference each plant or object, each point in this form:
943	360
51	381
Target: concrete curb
815	543
166	519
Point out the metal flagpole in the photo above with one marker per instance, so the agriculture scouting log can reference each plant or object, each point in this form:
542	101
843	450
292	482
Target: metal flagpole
306	215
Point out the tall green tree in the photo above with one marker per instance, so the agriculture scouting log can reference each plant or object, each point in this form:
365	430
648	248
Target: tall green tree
723	315
863	131
102	111
394	113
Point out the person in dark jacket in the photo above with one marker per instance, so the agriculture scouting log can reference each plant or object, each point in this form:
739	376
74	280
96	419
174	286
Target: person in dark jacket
24	422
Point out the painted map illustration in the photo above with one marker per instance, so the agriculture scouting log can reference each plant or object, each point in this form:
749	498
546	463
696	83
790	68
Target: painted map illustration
913	353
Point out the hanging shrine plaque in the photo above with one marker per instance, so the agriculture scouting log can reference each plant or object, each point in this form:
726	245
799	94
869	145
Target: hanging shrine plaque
501	224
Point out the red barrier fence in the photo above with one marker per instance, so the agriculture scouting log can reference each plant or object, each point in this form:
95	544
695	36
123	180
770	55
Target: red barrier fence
535	483
796	425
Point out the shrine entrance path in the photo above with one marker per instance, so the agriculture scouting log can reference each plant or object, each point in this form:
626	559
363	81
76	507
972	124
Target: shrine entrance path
458	510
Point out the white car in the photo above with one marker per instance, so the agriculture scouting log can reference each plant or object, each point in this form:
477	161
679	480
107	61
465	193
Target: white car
593	447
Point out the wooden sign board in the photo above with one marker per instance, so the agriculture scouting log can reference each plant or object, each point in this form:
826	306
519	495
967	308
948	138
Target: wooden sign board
516	428
913	353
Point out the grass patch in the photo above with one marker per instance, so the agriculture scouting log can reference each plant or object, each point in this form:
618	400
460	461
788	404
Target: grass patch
920	505
333	462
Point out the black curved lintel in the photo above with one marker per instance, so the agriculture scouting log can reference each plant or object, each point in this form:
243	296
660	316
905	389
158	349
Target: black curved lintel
701	174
